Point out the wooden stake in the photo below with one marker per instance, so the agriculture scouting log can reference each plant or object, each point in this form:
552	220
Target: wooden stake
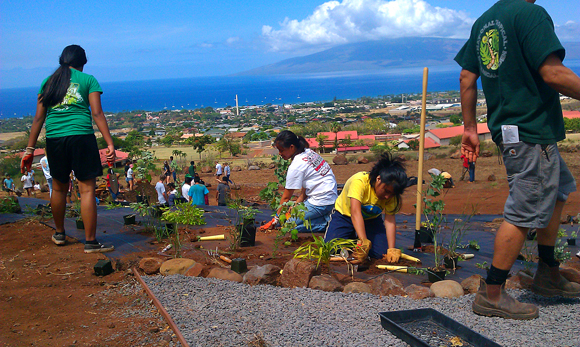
421	152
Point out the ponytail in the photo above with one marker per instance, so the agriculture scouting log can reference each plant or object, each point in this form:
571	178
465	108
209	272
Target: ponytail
287	138
55	88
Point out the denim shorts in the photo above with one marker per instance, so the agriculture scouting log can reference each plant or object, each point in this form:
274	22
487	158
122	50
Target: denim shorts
537	177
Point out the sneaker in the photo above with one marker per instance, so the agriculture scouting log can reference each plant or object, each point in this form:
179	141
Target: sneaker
505	307
59	238
98	248
544	284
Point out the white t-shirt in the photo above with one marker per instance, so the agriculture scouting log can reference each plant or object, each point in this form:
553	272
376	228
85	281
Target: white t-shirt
160	188
27	179
218	169
45	168
227	170
185	191
130	173
308	170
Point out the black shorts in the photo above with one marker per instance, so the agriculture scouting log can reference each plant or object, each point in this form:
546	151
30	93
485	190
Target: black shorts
76	152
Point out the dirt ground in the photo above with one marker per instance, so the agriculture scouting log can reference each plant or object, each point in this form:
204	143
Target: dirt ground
49	295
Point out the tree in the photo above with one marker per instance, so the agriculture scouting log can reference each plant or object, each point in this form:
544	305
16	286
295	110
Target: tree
167	140
414	144
320	139
455	140
335	128
199	143
456	119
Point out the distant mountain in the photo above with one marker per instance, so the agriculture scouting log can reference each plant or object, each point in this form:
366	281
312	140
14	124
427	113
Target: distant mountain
379	55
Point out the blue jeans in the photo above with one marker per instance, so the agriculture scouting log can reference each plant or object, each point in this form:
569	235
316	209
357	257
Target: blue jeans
49	182
341	227
318	216
471	172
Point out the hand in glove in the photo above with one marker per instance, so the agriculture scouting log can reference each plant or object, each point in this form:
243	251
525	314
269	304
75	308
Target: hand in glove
361	251
271	224
393	255
26	162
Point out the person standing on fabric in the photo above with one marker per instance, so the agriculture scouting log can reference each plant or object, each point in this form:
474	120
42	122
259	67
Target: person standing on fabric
46	172
218	169
514	48
310	173
130	179
68	101
160	188
222	192
198	193
358	209
173	166
27	180
8	185
185	188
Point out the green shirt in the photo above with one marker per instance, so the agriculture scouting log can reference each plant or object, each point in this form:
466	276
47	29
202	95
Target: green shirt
72	116
508	44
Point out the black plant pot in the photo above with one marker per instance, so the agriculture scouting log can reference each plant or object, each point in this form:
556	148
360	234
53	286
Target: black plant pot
248	238
426	235
170	228
435	276
451	263
80	224
129	219
571	242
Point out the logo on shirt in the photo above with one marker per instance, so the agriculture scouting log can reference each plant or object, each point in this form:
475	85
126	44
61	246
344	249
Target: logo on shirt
492	47
320	165
72	96
370	211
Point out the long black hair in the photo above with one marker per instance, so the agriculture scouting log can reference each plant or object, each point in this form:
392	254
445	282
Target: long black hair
55	88
392	172
287	138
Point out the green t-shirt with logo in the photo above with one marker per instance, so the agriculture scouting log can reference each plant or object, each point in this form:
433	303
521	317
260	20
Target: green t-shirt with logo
508	44
72	116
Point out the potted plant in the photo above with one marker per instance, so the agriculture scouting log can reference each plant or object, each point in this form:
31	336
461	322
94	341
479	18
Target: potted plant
572	239
434	217
243	233
75	212
458	232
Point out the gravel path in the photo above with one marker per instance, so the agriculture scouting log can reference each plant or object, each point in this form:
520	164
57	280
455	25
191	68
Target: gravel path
211	312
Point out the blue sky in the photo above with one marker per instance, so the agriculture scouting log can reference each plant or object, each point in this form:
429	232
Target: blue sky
144	40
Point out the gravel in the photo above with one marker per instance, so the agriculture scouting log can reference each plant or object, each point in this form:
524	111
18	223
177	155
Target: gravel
212	312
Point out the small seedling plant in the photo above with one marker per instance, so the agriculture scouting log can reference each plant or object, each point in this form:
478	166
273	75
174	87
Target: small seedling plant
322	251
560	252
183	213
8	205
433	211
243	213
271	194
297	212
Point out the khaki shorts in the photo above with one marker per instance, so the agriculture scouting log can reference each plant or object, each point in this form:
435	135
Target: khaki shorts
537	177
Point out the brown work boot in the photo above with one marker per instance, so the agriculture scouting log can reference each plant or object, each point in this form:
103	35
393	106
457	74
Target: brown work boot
549	282
502	305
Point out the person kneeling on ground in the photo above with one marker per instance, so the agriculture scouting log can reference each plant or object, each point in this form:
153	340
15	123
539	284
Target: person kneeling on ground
172	194
358	209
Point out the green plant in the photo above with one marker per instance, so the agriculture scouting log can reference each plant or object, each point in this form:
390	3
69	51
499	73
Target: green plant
482	265
322	251
271	195
297	212
574	234
560	252
144	165
8	205
242	213
458	232
473	244
433	212
184	213
112	206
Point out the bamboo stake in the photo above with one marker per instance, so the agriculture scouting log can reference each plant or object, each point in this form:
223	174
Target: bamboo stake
421	154
392	268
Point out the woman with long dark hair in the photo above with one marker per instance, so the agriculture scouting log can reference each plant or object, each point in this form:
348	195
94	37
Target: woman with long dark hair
310	173
68	102
358	209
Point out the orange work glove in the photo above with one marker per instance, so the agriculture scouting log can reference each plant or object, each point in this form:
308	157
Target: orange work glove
393	255
26	162
361	251
271	224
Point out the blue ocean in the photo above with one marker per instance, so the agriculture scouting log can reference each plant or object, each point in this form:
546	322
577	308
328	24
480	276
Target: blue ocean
220	91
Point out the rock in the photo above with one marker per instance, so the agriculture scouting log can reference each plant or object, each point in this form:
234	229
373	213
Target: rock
340	160
456	155
236	168
225	274
150	265
14	206
386	285
297	273
491	178
486	154
253	167
357	287
521	280
267	274
272	166
428	156
570	274
471	284
418	292
447	289
362	160
195	270
176	266
326	283
206	169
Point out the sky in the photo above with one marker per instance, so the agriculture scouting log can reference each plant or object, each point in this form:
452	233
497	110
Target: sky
146	40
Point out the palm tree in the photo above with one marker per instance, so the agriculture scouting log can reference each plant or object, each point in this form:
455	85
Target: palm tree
335	128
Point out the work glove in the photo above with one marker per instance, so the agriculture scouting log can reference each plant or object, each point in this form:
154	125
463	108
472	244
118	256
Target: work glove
26	162
393	255
271	224
361	251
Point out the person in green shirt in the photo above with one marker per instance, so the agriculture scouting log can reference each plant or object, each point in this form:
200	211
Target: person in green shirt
514	49
192	169
68	102
173	166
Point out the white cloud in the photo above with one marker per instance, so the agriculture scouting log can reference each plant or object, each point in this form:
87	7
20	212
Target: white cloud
570	31
232	40
206	45
334	23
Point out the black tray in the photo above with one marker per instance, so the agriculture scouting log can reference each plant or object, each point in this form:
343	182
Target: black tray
393	321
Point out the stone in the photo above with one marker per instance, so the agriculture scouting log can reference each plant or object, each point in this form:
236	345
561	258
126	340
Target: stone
195	270
491	178
340	160
447	289
486	154
176	266
272	166
297	273
387	285
236	168
456	155
267	274
362	160
326	283
418	292
253	167
150	265
521	280
570	274
471	284
206	169
428	156
357	287
225	274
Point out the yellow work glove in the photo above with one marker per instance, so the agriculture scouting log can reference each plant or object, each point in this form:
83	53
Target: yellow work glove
361	251
393	255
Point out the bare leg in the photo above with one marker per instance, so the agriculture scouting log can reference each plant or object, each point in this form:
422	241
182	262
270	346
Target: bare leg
58	203
508	244
89	208
547	236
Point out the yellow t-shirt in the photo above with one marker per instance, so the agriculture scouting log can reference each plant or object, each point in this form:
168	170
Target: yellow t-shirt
359	187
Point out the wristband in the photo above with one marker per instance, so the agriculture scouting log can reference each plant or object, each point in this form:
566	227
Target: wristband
29	150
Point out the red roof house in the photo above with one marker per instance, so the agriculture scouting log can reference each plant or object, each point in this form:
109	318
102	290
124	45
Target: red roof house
442	136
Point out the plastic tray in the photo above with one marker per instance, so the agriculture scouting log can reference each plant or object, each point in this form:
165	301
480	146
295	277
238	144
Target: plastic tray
395	322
